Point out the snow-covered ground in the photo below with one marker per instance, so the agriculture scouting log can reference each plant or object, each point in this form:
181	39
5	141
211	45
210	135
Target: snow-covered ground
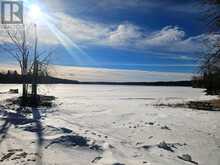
112	125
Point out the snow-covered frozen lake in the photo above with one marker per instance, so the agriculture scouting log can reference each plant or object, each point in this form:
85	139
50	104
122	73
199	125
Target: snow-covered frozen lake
124	122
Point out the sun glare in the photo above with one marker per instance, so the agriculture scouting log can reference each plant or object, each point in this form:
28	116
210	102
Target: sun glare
35	12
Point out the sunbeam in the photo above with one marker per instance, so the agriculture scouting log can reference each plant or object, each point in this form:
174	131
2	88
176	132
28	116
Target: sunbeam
38	16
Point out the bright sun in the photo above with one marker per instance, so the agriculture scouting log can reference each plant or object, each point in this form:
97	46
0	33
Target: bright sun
35	12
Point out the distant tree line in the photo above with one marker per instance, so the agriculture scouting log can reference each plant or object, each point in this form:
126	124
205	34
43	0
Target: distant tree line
12	77
9	76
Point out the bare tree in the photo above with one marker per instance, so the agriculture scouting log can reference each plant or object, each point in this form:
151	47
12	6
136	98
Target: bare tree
35	68
210	66
17	46
212	14
40	66
22	44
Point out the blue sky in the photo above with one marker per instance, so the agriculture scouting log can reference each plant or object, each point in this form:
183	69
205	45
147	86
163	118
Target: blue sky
150	35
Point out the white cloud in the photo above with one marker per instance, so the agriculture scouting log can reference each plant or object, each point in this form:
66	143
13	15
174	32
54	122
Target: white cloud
109	75
164	37
170	39
81	30
130	36
116	75
124	35
195	43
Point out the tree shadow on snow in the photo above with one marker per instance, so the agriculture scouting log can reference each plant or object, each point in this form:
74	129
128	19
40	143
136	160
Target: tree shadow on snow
18	118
